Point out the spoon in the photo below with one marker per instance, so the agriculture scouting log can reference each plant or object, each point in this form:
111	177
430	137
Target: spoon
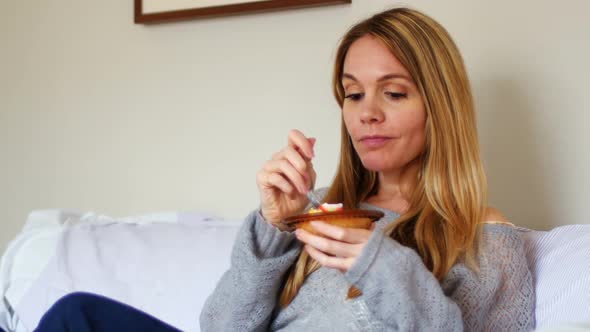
313	199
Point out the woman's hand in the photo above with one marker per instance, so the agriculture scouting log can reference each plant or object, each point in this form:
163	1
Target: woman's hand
337	248
284	180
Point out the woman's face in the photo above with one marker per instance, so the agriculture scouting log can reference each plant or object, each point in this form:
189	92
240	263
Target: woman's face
383	111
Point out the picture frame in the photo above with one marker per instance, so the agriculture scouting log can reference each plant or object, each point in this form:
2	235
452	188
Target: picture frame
160	11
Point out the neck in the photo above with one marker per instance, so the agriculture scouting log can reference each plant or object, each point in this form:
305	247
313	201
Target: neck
396	187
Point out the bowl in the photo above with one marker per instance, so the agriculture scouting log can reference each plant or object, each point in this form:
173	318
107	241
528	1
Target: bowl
347	218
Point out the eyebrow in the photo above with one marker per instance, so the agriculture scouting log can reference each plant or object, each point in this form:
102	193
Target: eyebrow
381	79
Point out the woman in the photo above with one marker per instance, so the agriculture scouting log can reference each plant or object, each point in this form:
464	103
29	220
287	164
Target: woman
439	259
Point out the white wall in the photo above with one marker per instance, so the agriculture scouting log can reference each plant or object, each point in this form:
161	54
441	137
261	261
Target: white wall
97	113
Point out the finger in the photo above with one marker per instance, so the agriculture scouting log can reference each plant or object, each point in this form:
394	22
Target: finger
270	180
349	235
297	160
284	168
303	165
298	141
342	264
312	175
328	246
281	182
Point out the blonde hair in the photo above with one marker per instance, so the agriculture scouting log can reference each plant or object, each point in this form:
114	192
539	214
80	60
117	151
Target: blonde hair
448	202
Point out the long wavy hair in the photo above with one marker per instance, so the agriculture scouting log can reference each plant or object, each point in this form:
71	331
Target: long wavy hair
442	222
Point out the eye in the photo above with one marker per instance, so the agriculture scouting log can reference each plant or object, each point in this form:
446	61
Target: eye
354	96
396	95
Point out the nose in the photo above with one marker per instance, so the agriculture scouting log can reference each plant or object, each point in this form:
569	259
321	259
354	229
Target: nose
371	112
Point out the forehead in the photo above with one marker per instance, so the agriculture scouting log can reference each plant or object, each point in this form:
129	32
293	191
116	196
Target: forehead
368	58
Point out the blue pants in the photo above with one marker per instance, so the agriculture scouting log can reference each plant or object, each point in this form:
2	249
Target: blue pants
84	312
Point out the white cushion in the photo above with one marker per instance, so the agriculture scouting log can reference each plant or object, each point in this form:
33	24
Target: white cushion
560	263
163	266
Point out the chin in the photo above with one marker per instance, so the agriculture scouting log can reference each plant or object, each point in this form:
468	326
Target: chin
379	161
379	164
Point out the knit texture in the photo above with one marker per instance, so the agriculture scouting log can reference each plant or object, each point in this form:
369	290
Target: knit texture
399	293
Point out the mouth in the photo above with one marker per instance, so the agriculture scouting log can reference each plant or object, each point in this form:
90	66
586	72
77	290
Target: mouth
375	141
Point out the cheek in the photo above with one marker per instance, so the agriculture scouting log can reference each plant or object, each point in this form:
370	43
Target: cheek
412	121
349	122
413	124
414	135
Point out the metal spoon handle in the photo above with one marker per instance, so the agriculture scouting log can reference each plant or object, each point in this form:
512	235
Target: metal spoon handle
313	199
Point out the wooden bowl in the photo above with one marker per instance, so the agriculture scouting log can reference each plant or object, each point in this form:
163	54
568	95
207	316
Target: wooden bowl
348	218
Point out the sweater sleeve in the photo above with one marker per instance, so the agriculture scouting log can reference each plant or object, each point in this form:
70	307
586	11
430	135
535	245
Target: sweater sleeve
246	294
402	294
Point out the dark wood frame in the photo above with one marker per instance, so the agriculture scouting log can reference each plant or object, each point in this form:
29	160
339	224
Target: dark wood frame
232	9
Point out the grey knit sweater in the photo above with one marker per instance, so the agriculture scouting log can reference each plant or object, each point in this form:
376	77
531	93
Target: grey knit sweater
399	293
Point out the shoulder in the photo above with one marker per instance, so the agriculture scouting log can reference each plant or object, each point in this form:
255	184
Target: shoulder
493	215
498	232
